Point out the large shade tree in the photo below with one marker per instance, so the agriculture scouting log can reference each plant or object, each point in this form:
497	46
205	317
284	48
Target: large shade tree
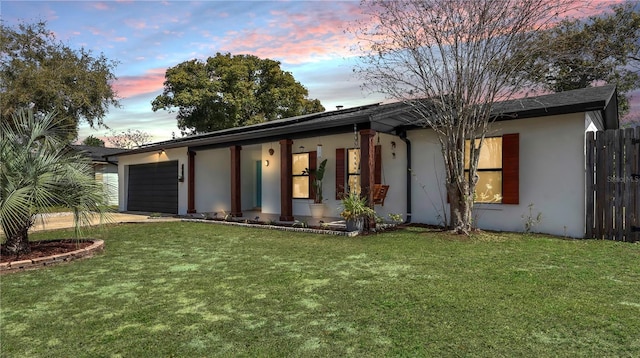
230	91
39	72
578	53
456	54
39	170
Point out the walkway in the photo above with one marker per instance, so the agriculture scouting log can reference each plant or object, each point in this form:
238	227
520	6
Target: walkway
65	220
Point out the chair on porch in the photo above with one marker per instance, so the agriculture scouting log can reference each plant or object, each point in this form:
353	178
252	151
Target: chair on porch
379	194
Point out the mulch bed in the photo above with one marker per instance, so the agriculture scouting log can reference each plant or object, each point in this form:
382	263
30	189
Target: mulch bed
47	248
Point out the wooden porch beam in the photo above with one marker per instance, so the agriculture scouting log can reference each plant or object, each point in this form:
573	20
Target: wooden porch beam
286	180
236	185
191	183
367	167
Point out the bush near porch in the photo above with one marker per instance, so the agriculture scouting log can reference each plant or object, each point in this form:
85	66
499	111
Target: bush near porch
191	289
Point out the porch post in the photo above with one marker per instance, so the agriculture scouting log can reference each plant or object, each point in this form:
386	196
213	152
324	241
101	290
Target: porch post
236	187
367	167
191	184
286	181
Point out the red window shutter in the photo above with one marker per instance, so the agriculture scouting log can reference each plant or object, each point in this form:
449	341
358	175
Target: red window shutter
511	168
340	173
313	163
377	173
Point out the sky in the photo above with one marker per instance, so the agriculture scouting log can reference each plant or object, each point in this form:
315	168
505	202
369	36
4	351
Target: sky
147	37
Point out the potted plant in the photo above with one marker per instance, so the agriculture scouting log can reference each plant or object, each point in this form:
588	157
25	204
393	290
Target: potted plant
355	210
317	207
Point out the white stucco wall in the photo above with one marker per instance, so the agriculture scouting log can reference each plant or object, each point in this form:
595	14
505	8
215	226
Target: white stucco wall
124	161
213	181
551	177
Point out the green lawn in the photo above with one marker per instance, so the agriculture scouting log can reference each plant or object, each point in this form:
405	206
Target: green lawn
200	290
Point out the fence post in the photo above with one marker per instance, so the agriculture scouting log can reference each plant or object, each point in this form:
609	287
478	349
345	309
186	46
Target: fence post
590	185
627	160
601	177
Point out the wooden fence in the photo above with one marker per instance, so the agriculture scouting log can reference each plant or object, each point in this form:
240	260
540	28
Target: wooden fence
613	185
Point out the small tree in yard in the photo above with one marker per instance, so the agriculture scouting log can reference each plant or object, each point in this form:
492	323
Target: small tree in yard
129	139
451	60
38	170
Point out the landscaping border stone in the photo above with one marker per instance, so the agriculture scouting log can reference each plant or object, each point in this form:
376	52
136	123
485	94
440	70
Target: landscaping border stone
22	265
277	227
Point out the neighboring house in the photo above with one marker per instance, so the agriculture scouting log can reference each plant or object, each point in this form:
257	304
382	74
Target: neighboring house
105	168
535	154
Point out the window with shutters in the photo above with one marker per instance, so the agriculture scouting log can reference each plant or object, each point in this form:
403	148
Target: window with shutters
301	180
498	169
348	169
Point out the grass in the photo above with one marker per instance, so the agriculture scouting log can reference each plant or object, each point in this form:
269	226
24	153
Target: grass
201	290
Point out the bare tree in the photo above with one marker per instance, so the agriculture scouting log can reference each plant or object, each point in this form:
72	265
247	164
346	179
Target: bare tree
129	139
451	60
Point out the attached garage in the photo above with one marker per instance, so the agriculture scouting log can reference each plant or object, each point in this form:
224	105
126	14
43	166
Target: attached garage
153	187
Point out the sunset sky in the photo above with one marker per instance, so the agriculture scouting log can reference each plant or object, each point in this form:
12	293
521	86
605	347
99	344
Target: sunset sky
147	37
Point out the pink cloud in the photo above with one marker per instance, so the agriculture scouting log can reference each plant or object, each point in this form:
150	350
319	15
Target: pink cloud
100	6
136	24
296	37
130	86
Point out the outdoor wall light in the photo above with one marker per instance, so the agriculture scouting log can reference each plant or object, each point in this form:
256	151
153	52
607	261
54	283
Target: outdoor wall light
181	174
266	162
161	152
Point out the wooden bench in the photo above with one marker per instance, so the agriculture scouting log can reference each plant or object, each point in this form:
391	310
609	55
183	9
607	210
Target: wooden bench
379	193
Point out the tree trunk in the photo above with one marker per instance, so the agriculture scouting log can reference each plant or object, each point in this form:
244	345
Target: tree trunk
460	209
17	242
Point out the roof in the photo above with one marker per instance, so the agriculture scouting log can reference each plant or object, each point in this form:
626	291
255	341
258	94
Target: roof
391	118
601	98
99	154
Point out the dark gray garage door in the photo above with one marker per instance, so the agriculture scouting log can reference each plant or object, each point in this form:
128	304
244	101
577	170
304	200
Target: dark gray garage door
153	187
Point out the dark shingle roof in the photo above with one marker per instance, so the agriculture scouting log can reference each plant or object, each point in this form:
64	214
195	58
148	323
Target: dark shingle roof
389	118
99	154
601	98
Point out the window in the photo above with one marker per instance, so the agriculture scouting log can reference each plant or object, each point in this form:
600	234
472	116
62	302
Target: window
348	169
353	170
489	186
300	162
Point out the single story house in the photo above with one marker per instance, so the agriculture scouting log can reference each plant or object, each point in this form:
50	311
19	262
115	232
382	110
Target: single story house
105	168
535	154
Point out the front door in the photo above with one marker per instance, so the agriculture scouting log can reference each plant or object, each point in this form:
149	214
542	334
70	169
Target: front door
259	183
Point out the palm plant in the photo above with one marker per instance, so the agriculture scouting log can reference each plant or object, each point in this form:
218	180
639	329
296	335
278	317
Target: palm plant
317	181
38	169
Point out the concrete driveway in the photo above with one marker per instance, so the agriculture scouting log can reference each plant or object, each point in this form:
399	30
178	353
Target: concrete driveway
65	220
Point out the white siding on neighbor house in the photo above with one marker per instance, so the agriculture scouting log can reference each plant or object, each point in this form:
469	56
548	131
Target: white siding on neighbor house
110	180
124	161
393	174
551	177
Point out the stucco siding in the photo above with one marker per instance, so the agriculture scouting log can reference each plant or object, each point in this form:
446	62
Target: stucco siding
551	177
212	181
